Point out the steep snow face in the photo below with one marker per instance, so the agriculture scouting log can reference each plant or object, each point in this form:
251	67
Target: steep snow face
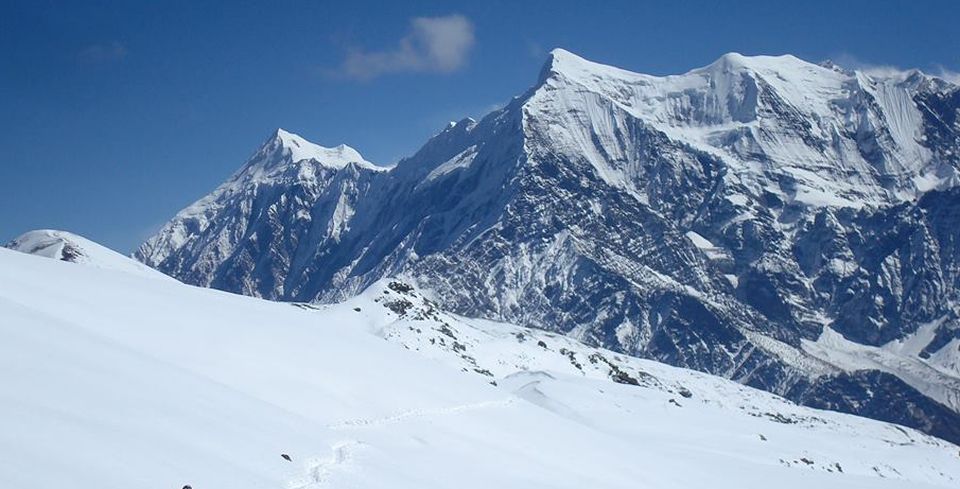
154	384
68	247
716	220
780	125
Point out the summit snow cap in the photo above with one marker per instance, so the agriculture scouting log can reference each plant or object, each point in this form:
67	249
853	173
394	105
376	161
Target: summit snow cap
299	149
563	62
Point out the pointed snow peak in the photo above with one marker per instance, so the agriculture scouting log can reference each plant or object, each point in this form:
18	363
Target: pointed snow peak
563	63
297	148
560	58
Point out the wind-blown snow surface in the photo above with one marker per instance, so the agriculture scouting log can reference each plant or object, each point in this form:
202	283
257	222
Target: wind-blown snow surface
720	220
115	380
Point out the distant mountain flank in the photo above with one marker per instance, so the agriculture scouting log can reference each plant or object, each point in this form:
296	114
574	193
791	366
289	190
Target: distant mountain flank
788	225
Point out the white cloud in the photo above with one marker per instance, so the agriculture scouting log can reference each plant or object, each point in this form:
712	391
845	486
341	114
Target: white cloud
535	50
101	53
433	45
851	62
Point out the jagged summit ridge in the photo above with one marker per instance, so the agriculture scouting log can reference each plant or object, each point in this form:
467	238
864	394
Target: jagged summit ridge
770	118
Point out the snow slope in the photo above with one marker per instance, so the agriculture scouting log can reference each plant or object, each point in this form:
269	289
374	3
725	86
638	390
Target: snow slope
116	380
69	247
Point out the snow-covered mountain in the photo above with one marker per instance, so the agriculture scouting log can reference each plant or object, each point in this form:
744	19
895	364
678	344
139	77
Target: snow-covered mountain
115	379
302	194
788	225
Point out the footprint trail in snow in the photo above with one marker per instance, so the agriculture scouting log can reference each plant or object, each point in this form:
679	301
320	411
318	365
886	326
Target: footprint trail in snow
320	470
417	413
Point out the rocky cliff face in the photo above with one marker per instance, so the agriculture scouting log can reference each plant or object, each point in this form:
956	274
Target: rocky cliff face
788	225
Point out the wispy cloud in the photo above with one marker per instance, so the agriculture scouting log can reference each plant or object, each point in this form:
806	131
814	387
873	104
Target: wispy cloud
947	74
432	45
535	50
851	62
103	53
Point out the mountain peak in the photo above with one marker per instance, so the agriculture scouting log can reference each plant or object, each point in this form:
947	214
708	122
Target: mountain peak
561	62
282	133
784	64
560	57
298	148
735	61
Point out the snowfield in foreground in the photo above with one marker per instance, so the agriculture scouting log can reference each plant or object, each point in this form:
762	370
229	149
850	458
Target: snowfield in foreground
116	379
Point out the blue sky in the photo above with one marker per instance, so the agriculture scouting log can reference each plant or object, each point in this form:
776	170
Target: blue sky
118	114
